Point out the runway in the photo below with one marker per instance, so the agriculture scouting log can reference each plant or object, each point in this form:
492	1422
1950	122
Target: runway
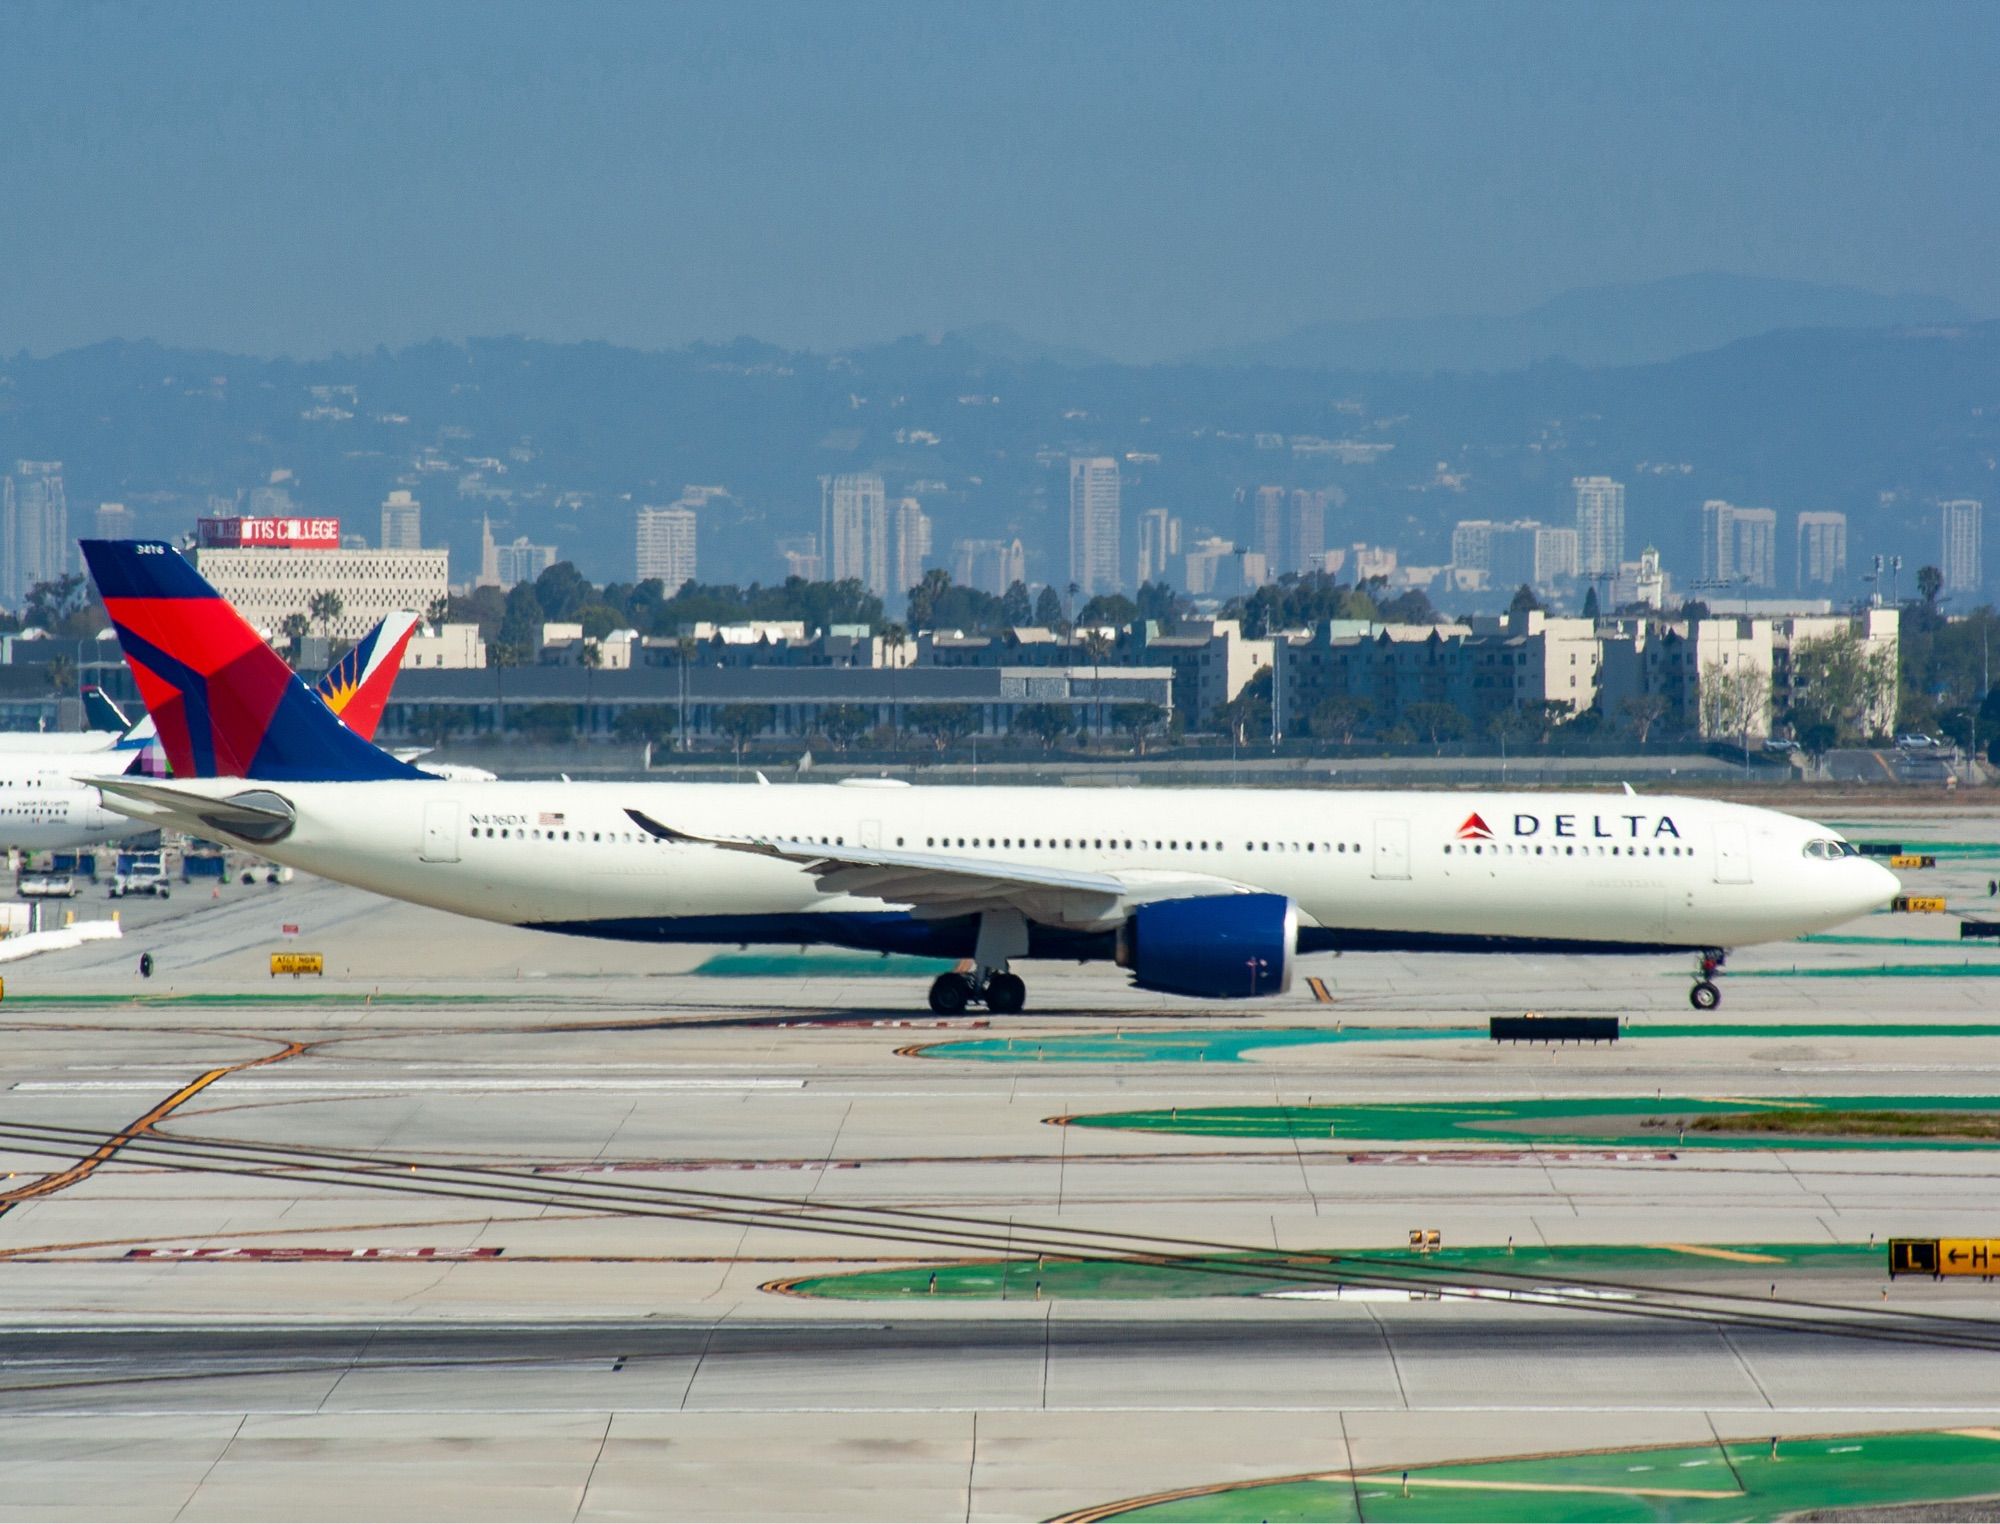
242	1270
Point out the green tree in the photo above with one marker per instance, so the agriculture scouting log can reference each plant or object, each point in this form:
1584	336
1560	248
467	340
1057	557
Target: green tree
65	606
1338	718
1436	722
1734	702
293	629
945	724
551	724
1016	608
1109	608
1249	713
844	724
743	723
1138	721
1641	712
1930	583
644	724
1525	601
1048	608
1047	723
1844	681
1590	608
325	606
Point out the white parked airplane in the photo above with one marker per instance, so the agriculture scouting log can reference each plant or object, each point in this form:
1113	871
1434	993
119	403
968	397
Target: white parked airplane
51	794
1203	892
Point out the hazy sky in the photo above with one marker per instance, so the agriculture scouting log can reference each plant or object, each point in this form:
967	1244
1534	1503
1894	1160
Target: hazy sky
1138	179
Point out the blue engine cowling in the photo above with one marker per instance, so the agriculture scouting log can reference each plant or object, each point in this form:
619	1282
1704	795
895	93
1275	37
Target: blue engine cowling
1218	946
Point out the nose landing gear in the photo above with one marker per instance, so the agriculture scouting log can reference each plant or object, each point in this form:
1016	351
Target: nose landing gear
1706	995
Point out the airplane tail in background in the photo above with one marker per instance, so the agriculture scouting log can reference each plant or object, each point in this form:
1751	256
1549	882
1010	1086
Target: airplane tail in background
100	713
225	704
357	686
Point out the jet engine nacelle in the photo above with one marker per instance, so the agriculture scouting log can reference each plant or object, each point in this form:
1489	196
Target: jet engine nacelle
1219	946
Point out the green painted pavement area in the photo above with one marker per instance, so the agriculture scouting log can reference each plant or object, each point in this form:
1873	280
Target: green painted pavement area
311	995
1232	1045
1705	1482
1602	1122
1261	1274
823	963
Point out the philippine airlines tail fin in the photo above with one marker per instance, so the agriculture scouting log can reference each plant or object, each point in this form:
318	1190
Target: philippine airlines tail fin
225	703
357	686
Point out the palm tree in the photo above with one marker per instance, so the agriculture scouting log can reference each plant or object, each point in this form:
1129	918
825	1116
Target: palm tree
684	648
325	607
1098	645
894	637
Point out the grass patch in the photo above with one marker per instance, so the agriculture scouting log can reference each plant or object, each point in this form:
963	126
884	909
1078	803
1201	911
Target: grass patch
1799	1121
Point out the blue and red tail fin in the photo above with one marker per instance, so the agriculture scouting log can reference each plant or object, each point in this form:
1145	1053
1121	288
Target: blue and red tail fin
225	703
357	686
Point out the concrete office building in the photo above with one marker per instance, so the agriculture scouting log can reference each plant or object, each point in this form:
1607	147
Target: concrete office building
1600	525
989	566
854	522
1962	552
1739	546
666	546
1159	545
1093	525
1821	551
34	528
402	522
913	544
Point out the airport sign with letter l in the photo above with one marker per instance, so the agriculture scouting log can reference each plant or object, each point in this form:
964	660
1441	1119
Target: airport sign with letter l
1944	1256
296	963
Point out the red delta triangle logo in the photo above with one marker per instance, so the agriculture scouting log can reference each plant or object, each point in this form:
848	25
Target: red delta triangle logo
1475	829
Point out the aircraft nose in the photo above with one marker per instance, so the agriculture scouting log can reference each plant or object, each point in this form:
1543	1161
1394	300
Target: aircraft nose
1878	886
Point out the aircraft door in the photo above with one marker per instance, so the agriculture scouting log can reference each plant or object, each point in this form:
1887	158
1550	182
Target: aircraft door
1732	853
1392	849
440	832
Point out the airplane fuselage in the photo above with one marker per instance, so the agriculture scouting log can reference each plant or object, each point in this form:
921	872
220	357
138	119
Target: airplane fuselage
1367	870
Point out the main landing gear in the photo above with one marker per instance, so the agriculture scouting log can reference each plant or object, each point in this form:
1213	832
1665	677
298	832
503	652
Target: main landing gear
1706	995
1003	934
1002	993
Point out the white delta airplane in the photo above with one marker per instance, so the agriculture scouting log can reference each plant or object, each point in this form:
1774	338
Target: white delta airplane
51	784
1213	893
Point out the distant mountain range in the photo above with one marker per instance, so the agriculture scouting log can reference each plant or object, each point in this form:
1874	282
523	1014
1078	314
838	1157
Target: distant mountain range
1632	324
560	442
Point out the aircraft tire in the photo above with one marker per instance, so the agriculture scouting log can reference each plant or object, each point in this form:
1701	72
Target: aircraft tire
950	994
1704	996
1006	994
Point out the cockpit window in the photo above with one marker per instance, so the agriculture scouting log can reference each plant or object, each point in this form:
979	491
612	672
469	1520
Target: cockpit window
1829	850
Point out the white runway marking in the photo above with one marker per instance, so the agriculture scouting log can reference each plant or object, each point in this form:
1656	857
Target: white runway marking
366	1086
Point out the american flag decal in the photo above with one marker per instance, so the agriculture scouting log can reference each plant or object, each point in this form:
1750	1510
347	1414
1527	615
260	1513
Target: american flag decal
552	817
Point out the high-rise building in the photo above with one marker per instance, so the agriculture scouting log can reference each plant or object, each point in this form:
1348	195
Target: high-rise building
1739	546
1267	525
990	566
1822	550
1305	533
666	546
402	522
854	523
34	528
115	521
800	553
1961	563
1093	524
521	562
1472	545
1159	544
1600	525
913	543
489	555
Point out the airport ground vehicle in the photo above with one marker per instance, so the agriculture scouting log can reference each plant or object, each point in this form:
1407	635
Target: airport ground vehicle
48	886
140	873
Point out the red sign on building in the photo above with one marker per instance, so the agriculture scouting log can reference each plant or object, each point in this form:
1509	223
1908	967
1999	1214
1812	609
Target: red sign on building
288	534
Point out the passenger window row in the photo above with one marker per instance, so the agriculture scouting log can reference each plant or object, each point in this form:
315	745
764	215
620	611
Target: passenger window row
1581	849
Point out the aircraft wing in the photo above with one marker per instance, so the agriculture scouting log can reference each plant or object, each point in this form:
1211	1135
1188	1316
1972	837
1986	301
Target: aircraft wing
940	884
